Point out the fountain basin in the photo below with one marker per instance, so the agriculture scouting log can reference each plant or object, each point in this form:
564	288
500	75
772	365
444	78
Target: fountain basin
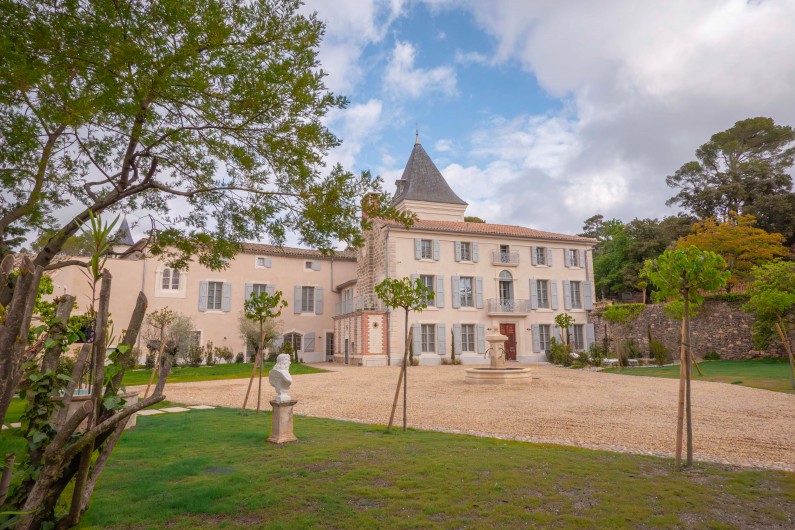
498	376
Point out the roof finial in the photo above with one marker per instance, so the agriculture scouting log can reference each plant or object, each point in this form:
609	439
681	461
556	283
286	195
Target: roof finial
416	134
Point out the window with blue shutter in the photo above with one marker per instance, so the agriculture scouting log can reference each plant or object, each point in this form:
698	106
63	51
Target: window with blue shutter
481	336
309	342
417	248
249	290
536	338
439	300
479	292
533	256
226	302
436	249
318	300
587	295
566	295
297	299
455	292
549	257
475	252
553	291
457	338
203	288
533	294
590	335
416	339
441	339
457	246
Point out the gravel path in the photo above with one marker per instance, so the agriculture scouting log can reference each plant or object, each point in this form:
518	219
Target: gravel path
731	424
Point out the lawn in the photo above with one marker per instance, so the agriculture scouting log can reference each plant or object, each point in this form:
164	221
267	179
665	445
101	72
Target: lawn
769	374
347	475
186	374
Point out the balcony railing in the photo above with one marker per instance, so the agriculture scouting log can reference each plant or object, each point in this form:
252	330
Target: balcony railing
499	257
496	305
369	302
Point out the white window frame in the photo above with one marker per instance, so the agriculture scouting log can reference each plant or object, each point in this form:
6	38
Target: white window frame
426	244
304	299
291	338
468	338
428	338
544	336
257	288
172	273
543	301
215	289
430	301
541	255
462	295
578	336
466	251
575	293
574	257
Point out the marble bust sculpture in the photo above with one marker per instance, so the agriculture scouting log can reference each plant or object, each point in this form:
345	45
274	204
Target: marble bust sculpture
280	378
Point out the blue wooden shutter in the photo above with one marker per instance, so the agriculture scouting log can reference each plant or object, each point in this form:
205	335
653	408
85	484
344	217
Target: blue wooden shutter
315	265
416	339
457	339
436	249
249	291
455	292
587	296
441	339
226	297
481	337
309	342
549	256
479	292
277	343
268	263
318	300
582	258
439	300
566	295
417	248
270	289
297	299
533	257
553	292
475	252
414	278
536	338
457	246
203	296
590	335
533	294
556	333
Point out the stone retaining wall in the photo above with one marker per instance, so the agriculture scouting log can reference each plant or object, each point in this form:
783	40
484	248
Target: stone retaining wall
720	326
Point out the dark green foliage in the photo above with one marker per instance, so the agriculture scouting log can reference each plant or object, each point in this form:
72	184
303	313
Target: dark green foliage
239	357
559	352
622	313
729	297
712	356
659	352
150	360
473	219
746	170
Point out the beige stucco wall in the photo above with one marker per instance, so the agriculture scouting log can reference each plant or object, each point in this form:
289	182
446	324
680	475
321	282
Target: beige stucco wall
219	327
402	263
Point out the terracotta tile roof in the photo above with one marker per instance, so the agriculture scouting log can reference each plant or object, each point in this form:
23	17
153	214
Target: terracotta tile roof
494	230
272	250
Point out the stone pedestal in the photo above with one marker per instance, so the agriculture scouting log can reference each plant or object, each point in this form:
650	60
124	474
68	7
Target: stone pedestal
282	422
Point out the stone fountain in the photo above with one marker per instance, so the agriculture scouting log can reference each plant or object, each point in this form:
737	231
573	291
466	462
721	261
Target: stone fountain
497	373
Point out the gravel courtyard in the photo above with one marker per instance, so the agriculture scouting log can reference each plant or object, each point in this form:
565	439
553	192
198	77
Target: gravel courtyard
732	424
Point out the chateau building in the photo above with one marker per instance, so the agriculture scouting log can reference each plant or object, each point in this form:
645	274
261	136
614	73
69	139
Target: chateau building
485	277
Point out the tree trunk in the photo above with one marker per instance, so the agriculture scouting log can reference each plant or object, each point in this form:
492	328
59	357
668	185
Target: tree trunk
680	410
688	410
405	368
260	358
56	332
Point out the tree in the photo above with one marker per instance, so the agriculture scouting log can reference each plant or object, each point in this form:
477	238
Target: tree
261	308
680	275
411	296
744	169
738	241
473	219
565	321
773	302
158	324
117	105
250	332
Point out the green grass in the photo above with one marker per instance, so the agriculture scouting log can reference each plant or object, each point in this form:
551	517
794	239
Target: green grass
769	374
186	374
213	469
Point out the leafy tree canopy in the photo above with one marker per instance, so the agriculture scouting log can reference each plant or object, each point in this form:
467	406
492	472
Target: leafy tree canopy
208	114
744	169
473	219
685	273
738	241
772	299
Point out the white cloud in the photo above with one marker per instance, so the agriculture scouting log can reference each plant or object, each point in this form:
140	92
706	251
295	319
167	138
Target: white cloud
357	125
462	57
444	145
645	84
403	80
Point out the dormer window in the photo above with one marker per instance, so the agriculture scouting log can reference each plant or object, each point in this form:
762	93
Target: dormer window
170	280
312	265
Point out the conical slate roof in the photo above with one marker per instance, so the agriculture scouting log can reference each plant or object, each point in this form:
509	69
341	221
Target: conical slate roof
123	235
422	181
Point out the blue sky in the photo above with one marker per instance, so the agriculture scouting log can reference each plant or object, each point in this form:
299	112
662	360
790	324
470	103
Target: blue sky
543	113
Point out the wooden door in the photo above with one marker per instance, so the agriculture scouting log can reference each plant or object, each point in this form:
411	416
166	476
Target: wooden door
509	330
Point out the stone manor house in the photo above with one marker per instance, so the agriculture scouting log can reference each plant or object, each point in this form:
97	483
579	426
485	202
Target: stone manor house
485	277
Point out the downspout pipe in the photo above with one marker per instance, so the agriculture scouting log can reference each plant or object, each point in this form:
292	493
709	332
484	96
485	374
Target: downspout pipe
388	310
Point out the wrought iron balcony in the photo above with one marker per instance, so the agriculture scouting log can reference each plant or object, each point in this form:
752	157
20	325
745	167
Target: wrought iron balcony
499	257
368	302
517	307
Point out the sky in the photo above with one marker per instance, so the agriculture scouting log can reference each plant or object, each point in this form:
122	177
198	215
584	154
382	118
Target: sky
544	113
